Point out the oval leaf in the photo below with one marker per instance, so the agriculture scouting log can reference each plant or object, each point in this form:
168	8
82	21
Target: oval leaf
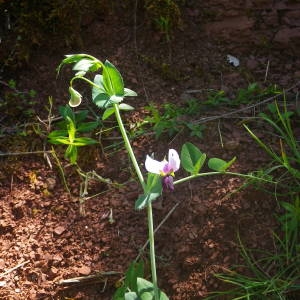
220	165
146	290
108	112
124	106
129	93
192	158
153	190
112	80
98	80
131	296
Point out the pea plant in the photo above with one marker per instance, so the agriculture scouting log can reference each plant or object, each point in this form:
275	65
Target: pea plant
108	93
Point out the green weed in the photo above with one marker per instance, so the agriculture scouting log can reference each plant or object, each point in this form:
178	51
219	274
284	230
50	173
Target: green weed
165	15
286	158
17	104
68	128
172	119
274	275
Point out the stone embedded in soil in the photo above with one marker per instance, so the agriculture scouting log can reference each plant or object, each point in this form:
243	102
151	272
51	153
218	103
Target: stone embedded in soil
84	270
59	230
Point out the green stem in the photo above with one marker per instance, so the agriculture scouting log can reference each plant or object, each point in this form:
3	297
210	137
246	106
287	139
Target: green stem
84	79
149	207
152	251
220	173
128	146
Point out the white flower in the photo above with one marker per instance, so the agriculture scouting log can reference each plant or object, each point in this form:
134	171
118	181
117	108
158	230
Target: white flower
165	168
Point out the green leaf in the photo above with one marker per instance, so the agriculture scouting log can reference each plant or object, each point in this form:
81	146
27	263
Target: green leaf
83	141
115	99
153	190
120	293
70	59
61	140
57	134
112	80
192	158
288	206
220	165
80	73
98	80
124	106
71	129
71	154
146	290
102	100
83	65
144	199
135	270
66	111
87	127
83	62
108	112
131	296
129	93
81	115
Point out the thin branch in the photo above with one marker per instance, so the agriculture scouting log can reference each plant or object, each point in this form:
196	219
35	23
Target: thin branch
157	228
100	276
14	268
25	153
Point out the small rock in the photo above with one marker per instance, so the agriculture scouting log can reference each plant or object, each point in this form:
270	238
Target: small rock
84	270
53	270
2	264
50	183
59	230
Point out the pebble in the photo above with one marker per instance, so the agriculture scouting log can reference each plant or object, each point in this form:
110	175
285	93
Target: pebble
84	270
59	230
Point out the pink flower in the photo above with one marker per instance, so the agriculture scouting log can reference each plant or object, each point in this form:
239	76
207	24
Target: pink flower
165	168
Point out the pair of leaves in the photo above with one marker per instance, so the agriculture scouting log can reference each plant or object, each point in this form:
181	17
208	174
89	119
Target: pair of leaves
145	291
109	88
193	159
135	287
77	118
152	191
135	270
66	135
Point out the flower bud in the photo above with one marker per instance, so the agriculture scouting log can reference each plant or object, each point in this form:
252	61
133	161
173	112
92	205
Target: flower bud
75	97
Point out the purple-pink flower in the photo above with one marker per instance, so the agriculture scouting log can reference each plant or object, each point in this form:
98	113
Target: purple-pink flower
165	168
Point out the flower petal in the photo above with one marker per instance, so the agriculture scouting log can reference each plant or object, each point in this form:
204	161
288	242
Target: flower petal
154	166
174	160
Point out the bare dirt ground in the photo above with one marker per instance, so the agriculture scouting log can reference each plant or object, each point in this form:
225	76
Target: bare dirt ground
44	236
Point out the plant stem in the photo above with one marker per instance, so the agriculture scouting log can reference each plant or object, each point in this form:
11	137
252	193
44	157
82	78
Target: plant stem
220	173
149	206
152	251
128	146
